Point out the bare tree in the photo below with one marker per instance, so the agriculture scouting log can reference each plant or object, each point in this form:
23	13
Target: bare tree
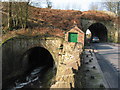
10	15
112	6
49	4
17	14
26	14
118	8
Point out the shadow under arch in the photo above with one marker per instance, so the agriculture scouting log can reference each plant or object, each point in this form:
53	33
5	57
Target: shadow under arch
99	30
36	57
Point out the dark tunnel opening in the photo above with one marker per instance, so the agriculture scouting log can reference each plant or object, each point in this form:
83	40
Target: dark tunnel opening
37	67
41	65
39	57
99	30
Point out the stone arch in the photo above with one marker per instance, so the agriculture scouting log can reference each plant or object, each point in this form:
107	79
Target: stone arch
37	57
99	30
107	27
42	45
13	49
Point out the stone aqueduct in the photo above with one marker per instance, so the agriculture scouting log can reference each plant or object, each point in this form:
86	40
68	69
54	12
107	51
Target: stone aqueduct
17	49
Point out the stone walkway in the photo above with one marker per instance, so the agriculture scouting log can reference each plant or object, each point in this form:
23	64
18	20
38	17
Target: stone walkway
93	75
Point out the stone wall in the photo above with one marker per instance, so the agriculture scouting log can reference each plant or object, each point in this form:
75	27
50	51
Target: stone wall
14	49
70	62
65	55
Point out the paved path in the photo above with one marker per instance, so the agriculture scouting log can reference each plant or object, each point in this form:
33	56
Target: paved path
93	75
108	60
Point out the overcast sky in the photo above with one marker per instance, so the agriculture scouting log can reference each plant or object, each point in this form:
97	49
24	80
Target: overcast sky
67	4
82	5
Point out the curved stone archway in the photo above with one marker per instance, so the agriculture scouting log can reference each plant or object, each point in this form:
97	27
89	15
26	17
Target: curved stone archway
19	52
22	53
99	30
37	57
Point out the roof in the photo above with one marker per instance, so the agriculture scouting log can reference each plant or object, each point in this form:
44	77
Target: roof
77	29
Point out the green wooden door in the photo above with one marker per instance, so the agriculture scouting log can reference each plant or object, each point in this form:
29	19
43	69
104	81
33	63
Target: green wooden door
73	37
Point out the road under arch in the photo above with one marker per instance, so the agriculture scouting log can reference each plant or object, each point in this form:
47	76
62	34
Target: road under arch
99	30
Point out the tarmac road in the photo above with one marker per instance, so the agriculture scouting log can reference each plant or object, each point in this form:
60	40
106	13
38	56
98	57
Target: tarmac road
107	56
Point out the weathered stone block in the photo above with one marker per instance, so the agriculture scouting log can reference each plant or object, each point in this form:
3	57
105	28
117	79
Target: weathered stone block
67	78
61	85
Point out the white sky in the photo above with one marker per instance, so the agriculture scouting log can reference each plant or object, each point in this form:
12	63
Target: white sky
70	4
82	5
88	31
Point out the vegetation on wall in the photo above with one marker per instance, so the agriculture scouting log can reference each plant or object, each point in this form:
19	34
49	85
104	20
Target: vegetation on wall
21	15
